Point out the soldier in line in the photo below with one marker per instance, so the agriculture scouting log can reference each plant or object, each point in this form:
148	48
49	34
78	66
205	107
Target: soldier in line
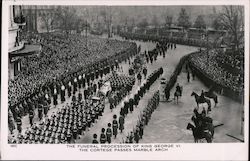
55	96
40	111
69	89
131	105
103	137
95	139
19	124
114	125
121	122
62	93
11	122
31	117
109	133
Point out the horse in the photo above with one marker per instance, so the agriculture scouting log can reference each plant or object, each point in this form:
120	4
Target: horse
199	134
213	96
177	94
199	101
206	122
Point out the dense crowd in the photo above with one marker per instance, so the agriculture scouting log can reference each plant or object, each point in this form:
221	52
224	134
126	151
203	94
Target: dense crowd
73	120
62	58
216	72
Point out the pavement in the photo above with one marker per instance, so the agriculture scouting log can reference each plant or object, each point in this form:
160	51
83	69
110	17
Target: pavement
168	122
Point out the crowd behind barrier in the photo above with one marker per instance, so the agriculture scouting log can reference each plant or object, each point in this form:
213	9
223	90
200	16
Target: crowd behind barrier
61	59
177	38
213	75
225	70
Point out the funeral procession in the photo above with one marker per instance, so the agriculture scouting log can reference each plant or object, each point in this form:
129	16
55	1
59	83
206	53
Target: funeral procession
125	74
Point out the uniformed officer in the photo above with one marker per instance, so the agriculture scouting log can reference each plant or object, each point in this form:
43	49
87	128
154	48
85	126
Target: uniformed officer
19	124
80	81
75	85
55	96
131	105
95	139
136	134
69	88
114	125
40	111
62	93
31	117
109	133
103	137
121	122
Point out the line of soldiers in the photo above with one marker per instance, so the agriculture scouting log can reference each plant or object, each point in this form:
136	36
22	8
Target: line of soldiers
66	125
137	133
133	101
106	134
128	105
42	99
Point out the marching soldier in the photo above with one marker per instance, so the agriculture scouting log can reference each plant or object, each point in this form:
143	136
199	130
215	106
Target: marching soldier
55	96
80	81
62	93
109	133
131	105
40	112
139	77
131	137
69	88
19	124
121	122
103	137
136	135
11	122
115	125
31	117
141	129
75	85
95	139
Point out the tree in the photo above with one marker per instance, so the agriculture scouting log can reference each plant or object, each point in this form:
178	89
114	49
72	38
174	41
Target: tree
48	19
199	22
183	19
143	24
232	19
155	22
168	21
67	18
216	24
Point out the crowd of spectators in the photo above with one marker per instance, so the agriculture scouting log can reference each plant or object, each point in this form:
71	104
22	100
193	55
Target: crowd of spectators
60	55
214	69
